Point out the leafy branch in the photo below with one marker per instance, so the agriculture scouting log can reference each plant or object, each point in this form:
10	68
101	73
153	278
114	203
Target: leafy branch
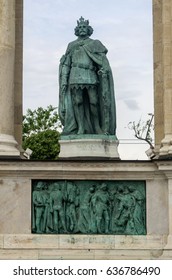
41	132
40	120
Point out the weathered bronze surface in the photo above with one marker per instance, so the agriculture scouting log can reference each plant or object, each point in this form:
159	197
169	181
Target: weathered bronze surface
86	98
89	207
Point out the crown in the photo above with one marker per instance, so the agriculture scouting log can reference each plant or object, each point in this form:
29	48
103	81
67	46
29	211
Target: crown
81	20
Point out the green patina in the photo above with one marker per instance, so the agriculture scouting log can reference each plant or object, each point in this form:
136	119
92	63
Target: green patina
89	207
86	96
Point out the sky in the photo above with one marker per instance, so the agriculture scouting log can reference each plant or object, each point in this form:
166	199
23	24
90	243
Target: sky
124	27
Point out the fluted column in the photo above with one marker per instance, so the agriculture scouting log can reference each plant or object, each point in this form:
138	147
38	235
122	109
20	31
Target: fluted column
8	145
163	76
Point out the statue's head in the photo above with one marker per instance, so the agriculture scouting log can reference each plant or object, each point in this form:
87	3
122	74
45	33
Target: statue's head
92	189
131	188
56	187
126	189
83	29
45	187
120	188
103	186
39	186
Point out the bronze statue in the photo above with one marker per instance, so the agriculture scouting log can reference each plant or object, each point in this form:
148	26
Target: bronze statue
39	207
100	204
71	207
85	221
86	98
57	208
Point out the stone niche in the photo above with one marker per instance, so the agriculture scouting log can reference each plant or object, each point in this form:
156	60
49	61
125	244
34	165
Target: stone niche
89	207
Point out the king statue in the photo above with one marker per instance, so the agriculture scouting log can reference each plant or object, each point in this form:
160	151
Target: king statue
86	98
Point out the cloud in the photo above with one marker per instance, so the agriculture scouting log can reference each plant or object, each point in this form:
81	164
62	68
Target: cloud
132	104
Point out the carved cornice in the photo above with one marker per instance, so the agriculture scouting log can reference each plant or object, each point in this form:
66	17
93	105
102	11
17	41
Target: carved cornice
165	167
88	169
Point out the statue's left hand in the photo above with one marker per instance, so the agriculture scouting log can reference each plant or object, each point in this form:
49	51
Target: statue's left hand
102	71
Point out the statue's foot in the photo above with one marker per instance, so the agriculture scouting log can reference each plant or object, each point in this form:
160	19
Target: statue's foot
98	130
76	230
71	227
80	131
39	231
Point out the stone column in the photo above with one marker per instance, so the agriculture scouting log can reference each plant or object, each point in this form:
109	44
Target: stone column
18	73
158	73
163	76
8	144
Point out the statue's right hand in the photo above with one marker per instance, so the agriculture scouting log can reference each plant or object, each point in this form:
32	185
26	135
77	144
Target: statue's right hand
64	88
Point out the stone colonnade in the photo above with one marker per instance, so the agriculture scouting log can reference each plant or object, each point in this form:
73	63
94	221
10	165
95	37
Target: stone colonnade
10	77
11	48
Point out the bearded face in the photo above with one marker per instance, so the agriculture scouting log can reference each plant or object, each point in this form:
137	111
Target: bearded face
83	30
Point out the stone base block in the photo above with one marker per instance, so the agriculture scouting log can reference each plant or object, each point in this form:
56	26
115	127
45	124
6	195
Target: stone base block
89	147
8	146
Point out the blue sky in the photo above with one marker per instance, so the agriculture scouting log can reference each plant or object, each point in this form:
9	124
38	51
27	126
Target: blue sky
124	27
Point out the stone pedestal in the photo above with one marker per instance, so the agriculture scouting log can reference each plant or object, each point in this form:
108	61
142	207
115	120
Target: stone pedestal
18	242
89	147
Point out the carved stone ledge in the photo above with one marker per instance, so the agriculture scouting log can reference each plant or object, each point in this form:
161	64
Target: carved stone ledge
85	242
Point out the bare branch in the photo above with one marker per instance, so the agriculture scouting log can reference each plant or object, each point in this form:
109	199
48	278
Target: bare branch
142	130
